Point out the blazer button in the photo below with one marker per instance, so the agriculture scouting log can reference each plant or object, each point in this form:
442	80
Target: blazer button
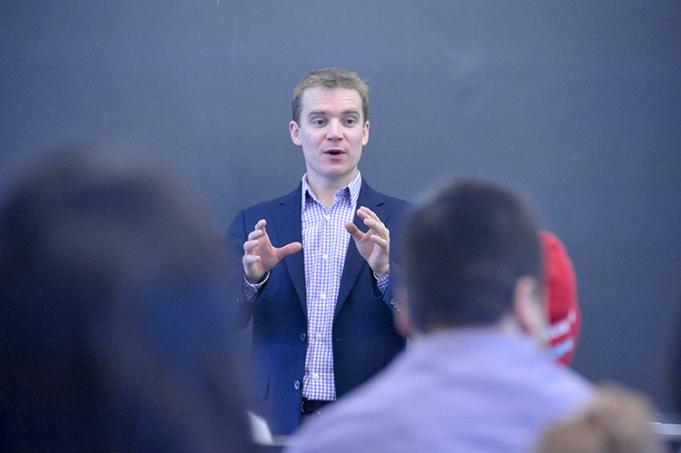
303	336
296	384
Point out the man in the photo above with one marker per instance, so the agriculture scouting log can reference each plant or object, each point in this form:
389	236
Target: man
322	317
475	378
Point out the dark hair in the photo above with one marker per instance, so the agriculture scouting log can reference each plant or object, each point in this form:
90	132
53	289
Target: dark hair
113	330
330	78
465	249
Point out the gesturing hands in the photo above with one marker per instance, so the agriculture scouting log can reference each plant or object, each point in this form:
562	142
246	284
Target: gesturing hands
260	255
374	245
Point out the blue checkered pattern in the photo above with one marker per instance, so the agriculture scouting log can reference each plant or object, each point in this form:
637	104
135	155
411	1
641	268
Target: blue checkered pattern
325	243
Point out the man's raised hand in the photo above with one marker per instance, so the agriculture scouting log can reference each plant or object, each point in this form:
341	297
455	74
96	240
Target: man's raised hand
374	245
260	255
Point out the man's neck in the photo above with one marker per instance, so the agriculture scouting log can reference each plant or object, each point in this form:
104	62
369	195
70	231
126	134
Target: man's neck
325	190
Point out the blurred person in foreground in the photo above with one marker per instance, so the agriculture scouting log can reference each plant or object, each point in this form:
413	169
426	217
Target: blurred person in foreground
114	335
476	378
616	421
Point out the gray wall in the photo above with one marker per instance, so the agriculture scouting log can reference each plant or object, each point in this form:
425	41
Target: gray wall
579	103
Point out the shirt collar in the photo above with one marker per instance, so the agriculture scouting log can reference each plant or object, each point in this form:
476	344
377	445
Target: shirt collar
353	186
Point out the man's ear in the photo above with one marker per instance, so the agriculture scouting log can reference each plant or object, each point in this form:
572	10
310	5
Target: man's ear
365	133
294	130
528	308
401	317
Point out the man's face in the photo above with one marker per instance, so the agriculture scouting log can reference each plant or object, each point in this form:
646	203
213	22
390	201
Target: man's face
332	132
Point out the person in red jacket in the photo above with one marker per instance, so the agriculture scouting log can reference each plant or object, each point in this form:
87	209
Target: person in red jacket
561	299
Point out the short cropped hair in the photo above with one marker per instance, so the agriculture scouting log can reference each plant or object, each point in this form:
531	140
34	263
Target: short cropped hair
465	248
330	78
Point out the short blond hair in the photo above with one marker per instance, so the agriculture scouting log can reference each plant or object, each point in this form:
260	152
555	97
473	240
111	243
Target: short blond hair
330	78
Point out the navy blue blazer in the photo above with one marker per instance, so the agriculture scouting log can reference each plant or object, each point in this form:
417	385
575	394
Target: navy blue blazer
364	336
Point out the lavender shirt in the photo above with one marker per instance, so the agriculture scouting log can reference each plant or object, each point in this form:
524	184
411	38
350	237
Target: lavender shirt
462	390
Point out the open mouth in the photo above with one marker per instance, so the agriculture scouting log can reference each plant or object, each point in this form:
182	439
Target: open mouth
334	152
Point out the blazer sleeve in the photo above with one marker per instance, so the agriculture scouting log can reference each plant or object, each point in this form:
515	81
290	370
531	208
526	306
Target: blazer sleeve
389	296
398	218
236	236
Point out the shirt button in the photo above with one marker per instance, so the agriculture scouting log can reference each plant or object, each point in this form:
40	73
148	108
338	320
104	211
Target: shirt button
327	217
296	384
322	296
325	256
315	375
303	336
318	337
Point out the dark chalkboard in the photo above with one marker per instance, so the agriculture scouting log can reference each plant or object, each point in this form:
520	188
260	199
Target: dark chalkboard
579	103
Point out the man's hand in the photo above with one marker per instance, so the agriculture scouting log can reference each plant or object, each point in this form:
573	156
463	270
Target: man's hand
374	245
260	255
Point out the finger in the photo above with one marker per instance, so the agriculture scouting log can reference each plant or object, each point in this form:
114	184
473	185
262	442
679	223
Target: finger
377	226
289	249
354	231
249	246
381	242
261	225
255	234
363	213
250	259
369	212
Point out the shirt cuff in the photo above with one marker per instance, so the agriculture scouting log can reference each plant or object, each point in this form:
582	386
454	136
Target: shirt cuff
382	282
250	290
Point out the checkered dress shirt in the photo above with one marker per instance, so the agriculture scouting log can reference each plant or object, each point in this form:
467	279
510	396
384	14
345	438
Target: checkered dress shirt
325	243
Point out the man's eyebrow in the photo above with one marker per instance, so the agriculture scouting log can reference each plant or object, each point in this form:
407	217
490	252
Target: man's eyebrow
317	113
325	113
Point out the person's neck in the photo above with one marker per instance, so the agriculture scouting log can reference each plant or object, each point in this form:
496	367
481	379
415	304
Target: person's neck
325	190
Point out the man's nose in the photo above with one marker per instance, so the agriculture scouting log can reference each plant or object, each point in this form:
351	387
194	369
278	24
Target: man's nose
334	130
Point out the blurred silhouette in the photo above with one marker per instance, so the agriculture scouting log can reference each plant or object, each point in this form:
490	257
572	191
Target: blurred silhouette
475	377
114	331
617	421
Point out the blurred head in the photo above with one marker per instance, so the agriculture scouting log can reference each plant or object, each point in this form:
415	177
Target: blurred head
473	259
616	421
113	320
331	78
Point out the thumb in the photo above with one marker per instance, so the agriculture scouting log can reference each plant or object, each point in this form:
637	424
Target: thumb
355	232
289	249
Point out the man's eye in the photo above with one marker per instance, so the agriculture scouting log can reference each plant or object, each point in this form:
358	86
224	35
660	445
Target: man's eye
350	121
318	121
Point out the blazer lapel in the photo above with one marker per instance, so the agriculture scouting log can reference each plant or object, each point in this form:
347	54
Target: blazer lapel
354	262
289	229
